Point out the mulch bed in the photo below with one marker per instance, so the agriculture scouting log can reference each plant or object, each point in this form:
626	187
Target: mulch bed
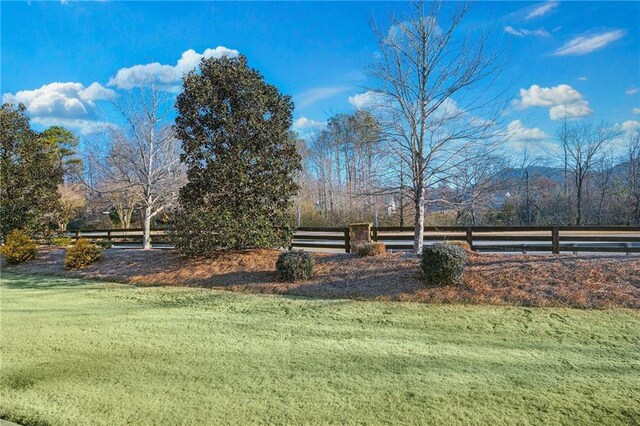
526	280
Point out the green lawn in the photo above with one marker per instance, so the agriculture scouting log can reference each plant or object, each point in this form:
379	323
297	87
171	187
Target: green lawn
82	352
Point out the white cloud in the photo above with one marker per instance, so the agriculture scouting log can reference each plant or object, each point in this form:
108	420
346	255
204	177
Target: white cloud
583	78
311	96
562	101
518	132
304	123
401	30
542	9
167	76
84	127
632	91
589	43
625	131
532	140
636	110
366	100
629	126
62	100
521	32
71	105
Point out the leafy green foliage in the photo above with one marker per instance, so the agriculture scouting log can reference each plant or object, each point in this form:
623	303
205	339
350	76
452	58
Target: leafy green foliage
295	266
82	253
62	241
19	247
241	163
32	165
443	264
371	249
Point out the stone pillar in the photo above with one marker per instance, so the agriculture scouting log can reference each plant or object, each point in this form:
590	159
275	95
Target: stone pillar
359	233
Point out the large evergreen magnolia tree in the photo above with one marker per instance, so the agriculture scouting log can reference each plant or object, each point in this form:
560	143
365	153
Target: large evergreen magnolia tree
32	165
241	164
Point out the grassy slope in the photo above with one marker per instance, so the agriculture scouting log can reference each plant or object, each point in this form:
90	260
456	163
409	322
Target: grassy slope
81	352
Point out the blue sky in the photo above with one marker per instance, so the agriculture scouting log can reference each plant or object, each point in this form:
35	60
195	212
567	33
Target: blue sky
582	54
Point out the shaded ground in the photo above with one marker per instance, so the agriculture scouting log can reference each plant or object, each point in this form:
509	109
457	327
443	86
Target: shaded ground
563	280
80	352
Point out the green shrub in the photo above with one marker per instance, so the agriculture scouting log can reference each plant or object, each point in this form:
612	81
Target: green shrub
82	254
62	241
295	266
105	244
443	264
371	249
18	247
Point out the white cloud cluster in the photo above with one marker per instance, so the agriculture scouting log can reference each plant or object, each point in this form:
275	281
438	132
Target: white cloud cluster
542	9
402	30
562	101
632	91
636	110
629	126
532	140
304	123
589	43
518	132
66	104
521	32
68	100
366	100
166	75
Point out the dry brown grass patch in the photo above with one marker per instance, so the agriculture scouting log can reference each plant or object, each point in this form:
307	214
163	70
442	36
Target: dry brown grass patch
526	280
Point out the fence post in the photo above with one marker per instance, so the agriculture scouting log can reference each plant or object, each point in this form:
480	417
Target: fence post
347	241
375	233
109	235
555	240
470	237
77	234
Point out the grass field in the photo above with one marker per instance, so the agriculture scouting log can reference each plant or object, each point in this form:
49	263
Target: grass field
82	352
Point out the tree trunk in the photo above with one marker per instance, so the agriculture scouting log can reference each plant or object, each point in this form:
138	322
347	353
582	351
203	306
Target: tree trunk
146	232
418	237
579	206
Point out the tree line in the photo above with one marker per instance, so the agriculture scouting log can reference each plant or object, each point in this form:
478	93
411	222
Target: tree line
220	167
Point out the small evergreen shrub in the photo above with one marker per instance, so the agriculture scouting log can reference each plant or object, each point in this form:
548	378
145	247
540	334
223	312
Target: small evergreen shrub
82	254
443	264
18	247
62	241
105	244
295	266
371	249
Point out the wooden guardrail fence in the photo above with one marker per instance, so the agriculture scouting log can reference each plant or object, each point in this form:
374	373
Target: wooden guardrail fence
554	239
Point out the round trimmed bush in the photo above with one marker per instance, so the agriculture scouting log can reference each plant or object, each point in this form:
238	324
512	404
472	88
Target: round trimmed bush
18	247
443	264
371	249
295	266
82	254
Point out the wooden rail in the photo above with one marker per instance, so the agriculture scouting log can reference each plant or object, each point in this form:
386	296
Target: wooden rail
554	239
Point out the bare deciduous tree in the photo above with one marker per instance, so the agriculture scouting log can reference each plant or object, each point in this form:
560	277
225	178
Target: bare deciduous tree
633	176
584	144
424	95
141	165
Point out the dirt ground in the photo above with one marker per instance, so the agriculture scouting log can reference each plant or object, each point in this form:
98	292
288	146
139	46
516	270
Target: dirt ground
526	280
